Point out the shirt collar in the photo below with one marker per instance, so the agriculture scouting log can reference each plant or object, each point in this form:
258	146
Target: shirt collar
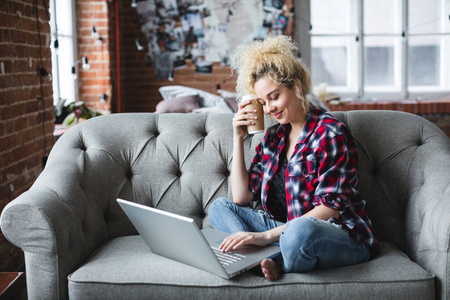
308	128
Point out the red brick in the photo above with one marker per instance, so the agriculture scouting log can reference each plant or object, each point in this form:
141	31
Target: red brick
7	157
9	112
31	106
25	136
21	153
9	126
21	123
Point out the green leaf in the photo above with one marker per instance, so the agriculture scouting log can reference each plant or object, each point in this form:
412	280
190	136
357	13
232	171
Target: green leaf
70	120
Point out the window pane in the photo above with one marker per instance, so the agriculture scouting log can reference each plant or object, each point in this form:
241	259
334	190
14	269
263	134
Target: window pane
424	61
429	16
66	81
329	61
379	65
63	16
63	57
381	62
382	16
330	16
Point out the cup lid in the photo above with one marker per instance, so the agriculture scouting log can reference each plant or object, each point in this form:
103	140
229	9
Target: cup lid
248	97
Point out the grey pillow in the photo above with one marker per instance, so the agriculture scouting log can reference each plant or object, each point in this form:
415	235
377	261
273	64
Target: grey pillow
232	103
205	99
178	105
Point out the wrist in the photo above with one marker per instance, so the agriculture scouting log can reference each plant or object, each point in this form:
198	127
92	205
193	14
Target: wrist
238	138
273	235
269	237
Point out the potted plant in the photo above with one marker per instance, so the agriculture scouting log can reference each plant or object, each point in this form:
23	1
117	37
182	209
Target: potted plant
72	113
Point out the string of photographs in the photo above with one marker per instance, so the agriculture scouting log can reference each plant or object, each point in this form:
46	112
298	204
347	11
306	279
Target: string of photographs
207	31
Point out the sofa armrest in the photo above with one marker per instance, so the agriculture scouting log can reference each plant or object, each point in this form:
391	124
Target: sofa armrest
51	236
427	219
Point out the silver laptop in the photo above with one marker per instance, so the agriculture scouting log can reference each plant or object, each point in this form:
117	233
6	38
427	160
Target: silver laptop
178	238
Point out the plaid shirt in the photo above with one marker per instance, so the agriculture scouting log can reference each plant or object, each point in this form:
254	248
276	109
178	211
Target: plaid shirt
321	171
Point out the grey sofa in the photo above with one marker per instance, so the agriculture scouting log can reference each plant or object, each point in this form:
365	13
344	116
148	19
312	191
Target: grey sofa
78	243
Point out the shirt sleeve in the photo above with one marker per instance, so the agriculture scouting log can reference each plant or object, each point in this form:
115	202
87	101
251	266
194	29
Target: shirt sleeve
255	173
337	173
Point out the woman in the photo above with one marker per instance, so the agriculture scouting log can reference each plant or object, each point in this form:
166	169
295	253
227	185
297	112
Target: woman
304	172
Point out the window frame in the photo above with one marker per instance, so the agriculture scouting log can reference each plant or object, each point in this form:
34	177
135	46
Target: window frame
361	91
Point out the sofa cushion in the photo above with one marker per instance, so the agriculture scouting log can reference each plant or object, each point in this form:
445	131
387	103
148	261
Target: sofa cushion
125	266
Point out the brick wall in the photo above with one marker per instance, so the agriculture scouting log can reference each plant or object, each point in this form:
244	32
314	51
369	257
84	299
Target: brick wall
22	117
97	80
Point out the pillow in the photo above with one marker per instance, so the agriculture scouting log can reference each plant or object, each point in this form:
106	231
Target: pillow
230	99
205	99
178	105
232	103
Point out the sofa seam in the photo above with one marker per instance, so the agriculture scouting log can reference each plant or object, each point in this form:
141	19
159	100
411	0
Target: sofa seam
431	277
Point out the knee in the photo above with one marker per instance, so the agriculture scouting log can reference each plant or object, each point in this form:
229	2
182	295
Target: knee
216	208
219	204
297	243
300	232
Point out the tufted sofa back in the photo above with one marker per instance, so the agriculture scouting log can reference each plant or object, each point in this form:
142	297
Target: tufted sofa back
175	162
181	163
399	156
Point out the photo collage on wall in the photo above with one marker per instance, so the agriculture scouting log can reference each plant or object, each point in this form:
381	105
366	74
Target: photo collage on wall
207	31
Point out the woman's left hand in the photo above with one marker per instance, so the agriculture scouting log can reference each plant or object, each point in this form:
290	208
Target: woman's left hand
239	239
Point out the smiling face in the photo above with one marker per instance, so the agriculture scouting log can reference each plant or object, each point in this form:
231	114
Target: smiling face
280	102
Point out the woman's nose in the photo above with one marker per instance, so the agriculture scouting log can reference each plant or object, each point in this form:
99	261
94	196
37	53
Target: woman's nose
268	108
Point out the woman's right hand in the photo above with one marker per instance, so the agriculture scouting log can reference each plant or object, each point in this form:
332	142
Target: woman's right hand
239	176
245	116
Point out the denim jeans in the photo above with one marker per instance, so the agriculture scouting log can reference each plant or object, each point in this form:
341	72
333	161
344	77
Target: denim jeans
305	243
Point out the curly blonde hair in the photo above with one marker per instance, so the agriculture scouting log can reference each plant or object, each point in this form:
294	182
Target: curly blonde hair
275	58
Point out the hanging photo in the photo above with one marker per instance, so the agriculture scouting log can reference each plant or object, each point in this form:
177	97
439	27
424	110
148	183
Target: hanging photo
236	22
275	4
207	30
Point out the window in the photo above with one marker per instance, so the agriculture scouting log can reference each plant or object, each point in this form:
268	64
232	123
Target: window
372	48
62	27
429	41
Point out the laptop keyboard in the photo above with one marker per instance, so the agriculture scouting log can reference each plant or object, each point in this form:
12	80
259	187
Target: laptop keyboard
227	258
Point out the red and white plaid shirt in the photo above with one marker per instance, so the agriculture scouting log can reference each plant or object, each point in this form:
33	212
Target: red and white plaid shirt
321	171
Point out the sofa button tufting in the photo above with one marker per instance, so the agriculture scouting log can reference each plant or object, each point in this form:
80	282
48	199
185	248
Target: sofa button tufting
178	174
129	174
83	148
226	173
374	171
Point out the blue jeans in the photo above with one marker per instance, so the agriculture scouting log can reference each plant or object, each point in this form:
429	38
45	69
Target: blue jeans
305	243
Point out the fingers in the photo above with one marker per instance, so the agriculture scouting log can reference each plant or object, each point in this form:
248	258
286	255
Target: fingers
245	116
243	104
235	241
228	244
245	110
243	120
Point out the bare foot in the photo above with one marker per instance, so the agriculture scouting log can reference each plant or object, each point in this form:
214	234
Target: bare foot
271	270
